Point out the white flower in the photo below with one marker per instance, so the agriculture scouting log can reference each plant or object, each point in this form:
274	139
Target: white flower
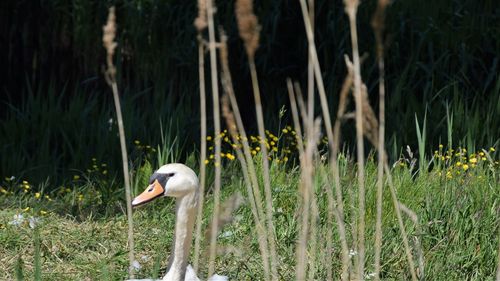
110	124
352	253
136	265
370	275
226	234
18	220
33	222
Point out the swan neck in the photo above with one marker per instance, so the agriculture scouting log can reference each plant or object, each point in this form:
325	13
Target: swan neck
185	217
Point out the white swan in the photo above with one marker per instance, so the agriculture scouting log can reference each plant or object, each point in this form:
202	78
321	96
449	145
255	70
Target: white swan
179	181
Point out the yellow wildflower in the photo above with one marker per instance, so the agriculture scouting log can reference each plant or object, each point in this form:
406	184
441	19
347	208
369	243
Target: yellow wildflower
105	172
483	158
77	177
43	213
230	156
285	131
211	156
481	153
465	167
25	182
458	164
206	162
473	160
440	146
492	149
209	138
37	195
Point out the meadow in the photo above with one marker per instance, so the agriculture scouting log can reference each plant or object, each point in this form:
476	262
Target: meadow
80	236
311	182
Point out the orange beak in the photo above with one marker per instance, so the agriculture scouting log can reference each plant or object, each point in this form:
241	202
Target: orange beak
154	190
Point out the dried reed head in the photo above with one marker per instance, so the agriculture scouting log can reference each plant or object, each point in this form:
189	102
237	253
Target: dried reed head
108	40
232	204
229	116
351	6
248	26
370	123
223	52
378	17
201	21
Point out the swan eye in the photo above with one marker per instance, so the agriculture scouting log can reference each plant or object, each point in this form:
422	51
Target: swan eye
151	189
169	175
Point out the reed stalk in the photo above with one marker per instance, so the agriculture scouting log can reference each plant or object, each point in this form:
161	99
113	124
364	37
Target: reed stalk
392	189
203	150
109	33
235	124
215	98
249	32
351	7
310	125
378	28
328	128
201	24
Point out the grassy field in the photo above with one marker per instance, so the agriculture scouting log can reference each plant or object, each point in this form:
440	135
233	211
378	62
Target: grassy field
80	237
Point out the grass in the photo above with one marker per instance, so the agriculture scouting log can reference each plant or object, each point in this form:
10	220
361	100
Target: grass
458	215
437	220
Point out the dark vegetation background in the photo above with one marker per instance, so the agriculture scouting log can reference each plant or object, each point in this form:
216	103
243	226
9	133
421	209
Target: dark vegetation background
56	111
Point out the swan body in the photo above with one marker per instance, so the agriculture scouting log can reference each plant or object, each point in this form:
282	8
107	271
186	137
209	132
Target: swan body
178	181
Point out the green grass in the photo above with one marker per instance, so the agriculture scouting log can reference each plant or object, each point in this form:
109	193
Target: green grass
458	218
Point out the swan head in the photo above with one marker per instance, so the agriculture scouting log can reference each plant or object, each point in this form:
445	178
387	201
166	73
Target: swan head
172	180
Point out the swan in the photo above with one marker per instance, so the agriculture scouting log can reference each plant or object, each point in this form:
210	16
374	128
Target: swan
178	181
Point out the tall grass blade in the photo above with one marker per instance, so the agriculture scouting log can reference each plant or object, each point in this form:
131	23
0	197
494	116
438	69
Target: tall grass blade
19	269
37	266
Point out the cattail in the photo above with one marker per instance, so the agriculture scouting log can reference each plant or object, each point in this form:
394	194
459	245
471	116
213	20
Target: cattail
370	122
108	40
351	7
201	21
378	17
248	26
